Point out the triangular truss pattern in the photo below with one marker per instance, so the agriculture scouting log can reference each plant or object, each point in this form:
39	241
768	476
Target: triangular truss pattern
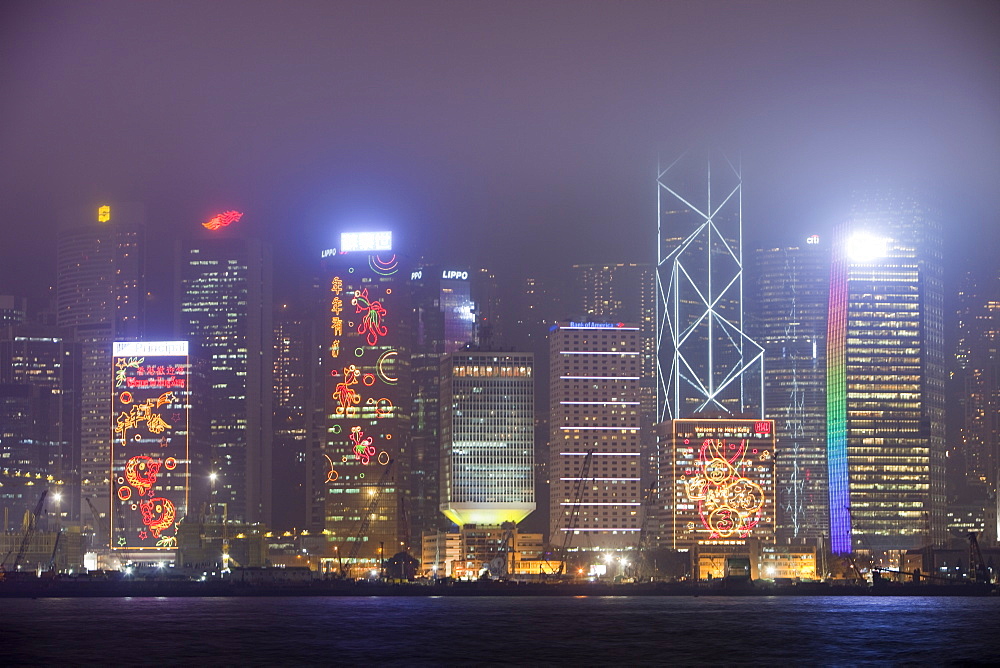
705	360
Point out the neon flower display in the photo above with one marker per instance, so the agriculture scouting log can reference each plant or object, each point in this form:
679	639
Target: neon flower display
224	219
363	354
723	481
371	320
149	444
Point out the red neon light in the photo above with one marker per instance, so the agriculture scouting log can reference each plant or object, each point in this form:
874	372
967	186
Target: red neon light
371	321
158	514
345	395
141	472
728	502
762	427
223	219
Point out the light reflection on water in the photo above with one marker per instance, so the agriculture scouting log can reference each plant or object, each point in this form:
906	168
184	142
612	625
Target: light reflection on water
499	630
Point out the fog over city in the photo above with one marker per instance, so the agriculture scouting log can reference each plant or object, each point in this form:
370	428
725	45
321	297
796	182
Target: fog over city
523	136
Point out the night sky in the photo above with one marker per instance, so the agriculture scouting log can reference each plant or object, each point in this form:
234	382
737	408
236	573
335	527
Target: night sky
519	135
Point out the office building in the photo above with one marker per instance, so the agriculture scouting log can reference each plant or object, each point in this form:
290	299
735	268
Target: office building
100	299
487	437
444	321
295	371
595	443
150	458
44	358
29	449
224	310
705	360
708	367
624	293
627	293
885	379
976	448
364	456
790	295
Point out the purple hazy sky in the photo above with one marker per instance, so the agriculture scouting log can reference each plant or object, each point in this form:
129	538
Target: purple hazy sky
521	135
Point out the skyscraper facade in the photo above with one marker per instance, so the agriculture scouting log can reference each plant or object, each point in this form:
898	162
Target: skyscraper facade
365	451
708	367
487	436
885	378
705	360
44	358
444	321
978	389
29	448
224	309
595	448
790	296
99	297
627	293
293	379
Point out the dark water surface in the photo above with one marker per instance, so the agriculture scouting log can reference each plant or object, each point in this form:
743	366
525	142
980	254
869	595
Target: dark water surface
141	632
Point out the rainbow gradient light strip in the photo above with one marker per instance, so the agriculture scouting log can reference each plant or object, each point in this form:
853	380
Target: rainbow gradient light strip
836	406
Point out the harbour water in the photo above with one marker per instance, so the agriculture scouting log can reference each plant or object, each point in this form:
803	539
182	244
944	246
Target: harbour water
717	630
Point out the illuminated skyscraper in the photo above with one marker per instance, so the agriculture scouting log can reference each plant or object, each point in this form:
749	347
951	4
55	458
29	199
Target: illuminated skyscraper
295	368
364	456
707	366
29	448
150	455
99	296
41	365
627	293
224	309
978	390
885	379
594	443
705	361
487	435
790	302
444	322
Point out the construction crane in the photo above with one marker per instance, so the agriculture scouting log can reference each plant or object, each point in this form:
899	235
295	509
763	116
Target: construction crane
977	566
30	525
366	518
499	564
574	510
51	572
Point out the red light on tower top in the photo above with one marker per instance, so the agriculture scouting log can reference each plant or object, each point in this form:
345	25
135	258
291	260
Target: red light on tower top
224	219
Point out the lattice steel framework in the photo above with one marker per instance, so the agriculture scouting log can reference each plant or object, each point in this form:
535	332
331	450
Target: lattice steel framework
706	363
